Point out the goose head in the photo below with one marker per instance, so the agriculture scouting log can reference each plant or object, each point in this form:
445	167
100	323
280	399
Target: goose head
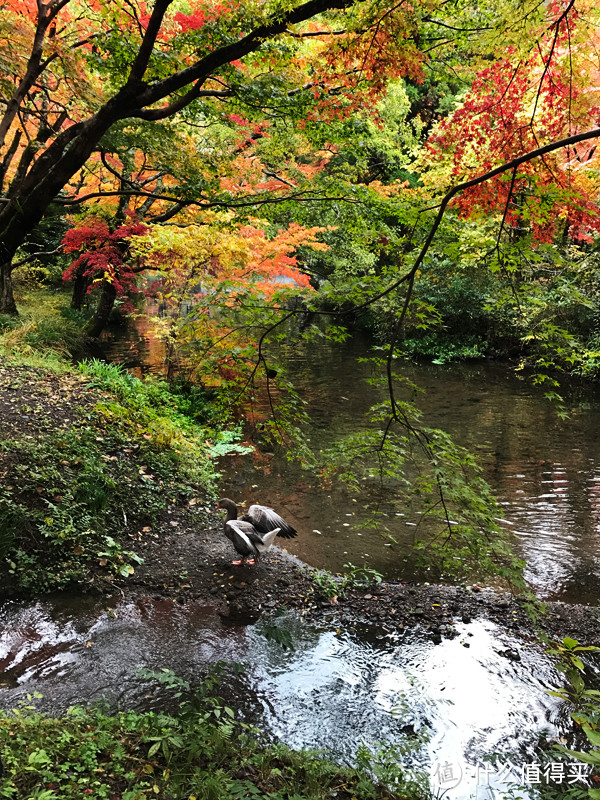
229	506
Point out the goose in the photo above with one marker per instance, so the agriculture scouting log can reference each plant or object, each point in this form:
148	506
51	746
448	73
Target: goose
254	533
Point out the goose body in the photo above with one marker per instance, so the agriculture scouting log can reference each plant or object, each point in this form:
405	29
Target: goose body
246	540
254	533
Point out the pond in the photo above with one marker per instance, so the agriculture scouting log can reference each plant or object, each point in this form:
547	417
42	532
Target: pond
544	471
451	705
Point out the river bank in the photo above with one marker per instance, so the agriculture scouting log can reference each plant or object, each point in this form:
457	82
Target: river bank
185	557
185	565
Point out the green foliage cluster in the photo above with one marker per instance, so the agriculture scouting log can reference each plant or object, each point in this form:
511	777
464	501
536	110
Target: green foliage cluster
585	703
71	498
46	328
202	753
328	585
440	348
416	467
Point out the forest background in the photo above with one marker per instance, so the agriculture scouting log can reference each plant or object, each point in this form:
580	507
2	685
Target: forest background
242	173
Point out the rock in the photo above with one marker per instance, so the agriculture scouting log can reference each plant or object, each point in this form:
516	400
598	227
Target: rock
511	654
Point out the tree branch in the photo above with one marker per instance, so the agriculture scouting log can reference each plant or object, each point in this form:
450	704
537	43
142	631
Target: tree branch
140	64
460	187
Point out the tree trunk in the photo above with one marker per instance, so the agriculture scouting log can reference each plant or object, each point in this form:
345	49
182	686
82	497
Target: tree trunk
7	300
80	286
105	306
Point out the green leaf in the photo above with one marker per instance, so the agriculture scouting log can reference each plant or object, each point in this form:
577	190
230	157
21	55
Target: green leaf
593	757
593	735
38	757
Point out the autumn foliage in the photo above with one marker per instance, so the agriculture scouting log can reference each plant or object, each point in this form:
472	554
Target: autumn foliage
520	103
165	113
103	255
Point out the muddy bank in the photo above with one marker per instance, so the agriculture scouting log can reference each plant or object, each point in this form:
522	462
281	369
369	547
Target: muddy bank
195	565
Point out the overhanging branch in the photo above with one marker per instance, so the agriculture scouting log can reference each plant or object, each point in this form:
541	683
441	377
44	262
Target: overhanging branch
460	187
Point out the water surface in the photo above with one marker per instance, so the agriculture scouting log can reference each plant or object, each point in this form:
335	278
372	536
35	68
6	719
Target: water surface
544	471
336	690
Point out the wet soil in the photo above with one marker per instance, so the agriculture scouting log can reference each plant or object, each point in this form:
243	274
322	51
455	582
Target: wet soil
196	565
186	563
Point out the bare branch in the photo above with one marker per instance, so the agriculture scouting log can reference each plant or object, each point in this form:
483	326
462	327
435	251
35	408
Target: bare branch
36	255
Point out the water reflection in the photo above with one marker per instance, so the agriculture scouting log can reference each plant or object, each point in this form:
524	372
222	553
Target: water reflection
333	691
544	471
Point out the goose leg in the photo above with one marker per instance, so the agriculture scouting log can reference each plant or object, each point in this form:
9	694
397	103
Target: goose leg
238	562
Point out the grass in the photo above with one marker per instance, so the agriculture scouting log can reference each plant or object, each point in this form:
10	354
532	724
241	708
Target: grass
200	753
47	331
329	586
72	496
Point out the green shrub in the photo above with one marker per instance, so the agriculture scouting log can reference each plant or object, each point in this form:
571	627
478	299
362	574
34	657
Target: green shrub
202	752
8	323
71	497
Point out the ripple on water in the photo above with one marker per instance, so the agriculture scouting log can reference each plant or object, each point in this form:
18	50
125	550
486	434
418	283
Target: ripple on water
334	690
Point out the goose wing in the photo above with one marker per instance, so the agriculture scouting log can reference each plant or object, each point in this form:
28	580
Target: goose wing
243	536
265	519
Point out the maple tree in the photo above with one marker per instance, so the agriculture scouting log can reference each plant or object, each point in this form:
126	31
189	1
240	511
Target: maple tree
525	103
84	68
226	276
102	260
152	110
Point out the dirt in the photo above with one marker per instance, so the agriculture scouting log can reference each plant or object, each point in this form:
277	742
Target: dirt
187	564
193	565
33	402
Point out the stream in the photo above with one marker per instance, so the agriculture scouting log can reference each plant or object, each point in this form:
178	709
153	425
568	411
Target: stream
334	691
544	471
337	688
